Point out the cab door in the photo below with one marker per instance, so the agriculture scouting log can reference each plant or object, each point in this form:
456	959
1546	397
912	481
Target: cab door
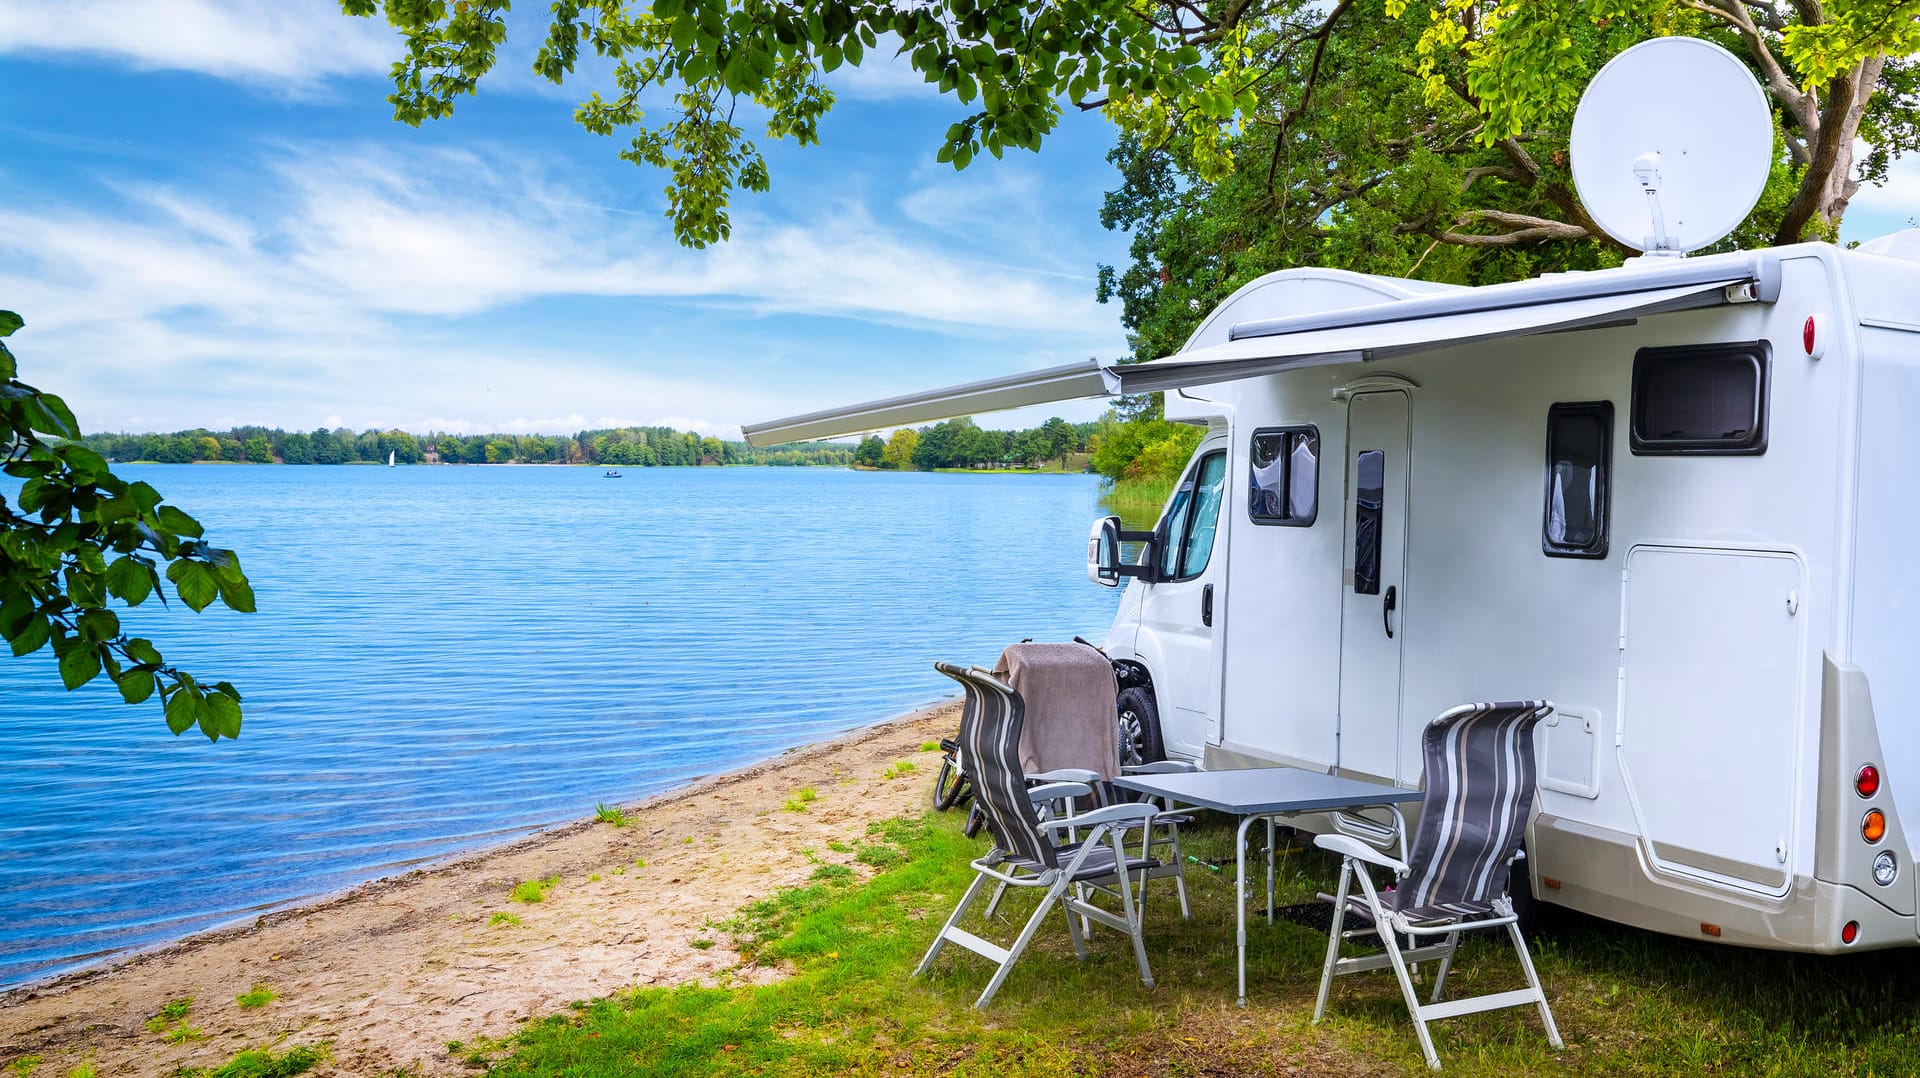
1179	610
1373	583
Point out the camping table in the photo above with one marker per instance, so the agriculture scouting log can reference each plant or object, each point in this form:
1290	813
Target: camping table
1263	793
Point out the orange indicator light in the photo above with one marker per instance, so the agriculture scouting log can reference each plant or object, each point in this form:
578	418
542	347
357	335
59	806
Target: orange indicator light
1873	826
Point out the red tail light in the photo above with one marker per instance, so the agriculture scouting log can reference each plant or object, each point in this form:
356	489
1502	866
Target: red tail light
1866	782
1849	932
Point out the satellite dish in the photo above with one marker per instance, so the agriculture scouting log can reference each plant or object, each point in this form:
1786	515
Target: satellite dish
1671	145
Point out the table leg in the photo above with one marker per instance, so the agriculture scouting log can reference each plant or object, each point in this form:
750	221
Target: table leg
1240	900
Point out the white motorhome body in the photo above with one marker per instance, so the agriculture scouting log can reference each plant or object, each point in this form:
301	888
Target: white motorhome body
1671	497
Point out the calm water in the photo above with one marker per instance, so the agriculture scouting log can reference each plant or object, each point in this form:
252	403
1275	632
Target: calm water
446	657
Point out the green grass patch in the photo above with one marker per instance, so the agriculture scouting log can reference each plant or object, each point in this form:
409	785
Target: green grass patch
531	891
502	917
24	1066
1630	1003
801	798
264	1063
84	1069
904	767
258	996
929	746
700	944
171	1022
610	814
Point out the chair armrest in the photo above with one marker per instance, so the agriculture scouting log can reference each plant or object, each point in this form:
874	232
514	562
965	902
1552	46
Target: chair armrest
1066	774
1160	767
1054	791
1354	848
1126	814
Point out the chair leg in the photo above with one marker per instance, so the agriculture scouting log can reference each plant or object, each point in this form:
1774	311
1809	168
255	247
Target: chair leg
1076	933
1446	963
1391	940
1533	982
1134	927
1180	874
1333	938
939	941
1020	944
993	903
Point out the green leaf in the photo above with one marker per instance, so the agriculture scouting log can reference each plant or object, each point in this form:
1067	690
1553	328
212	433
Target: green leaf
183	710
78	666
141	650
9	322
32	636
179	523
136	685
130	578
144	496
220	716
194	582
237	594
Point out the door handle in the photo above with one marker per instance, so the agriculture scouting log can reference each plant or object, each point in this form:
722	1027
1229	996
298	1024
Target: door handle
1386	609
1206	605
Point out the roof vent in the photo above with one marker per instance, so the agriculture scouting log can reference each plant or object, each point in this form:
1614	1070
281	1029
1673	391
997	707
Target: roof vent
1904	244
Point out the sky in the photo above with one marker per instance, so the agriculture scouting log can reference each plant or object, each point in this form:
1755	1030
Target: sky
208	217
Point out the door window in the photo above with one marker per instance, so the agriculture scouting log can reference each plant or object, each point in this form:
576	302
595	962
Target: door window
1369	490
1193	517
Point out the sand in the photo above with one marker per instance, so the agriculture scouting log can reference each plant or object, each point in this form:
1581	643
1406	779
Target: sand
392	971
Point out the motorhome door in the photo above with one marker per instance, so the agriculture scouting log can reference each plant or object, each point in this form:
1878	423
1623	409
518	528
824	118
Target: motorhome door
1373	582
1178	611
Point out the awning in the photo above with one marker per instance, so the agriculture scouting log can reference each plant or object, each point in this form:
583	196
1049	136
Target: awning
1370	333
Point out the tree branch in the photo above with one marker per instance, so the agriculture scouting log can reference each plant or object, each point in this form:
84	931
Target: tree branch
1525	229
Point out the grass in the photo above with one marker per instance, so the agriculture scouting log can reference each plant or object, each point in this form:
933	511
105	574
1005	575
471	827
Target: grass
84	1069
171	1022
700	944
1629	1002
801	798
929	746
259	996
903	767
264	1063
1141	495
24	1066
502	917
612	814
531	891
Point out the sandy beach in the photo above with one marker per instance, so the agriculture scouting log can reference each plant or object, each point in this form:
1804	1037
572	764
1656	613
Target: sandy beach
390	972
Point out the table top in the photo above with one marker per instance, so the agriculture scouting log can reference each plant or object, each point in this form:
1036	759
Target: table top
1255	791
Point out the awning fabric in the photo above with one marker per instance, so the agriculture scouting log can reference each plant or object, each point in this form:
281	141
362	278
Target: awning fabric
1375	332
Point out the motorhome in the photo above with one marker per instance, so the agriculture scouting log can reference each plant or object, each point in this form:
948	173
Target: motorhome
1673	497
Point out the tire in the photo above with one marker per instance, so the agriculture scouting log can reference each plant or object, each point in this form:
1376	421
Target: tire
949	787
1140	727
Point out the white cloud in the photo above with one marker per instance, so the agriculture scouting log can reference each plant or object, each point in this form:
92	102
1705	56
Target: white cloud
340	284
294	44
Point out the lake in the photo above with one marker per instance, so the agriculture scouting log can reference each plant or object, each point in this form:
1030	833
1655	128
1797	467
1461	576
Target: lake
446	657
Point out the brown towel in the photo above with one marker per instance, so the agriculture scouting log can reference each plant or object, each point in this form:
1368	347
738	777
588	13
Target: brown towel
1072	719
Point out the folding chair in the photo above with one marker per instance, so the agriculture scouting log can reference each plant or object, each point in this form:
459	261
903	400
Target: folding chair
1027	852
1479	790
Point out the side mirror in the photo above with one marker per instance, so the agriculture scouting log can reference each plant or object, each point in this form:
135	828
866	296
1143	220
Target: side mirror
1104	565
1103	552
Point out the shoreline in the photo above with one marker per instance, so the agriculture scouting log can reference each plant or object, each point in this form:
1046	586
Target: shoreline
391	970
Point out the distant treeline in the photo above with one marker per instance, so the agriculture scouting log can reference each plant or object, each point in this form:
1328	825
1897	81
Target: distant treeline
626	447
960	443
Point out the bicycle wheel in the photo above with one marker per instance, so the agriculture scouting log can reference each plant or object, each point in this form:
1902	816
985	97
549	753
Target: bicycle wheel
949	785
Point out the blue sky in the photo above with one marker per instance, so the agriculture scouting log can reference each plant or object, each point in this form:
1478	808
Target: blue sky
208	217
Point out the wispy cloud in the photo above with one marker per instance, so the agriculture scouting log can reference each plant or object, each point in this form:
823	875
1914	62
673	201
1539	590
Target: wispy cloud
289	44
355	281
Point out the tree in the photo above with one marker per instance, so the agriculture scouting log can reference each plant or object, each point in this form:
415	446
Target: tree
206	447
1061	438
900	449
79	537
869	452
259	450
1169	73
296	449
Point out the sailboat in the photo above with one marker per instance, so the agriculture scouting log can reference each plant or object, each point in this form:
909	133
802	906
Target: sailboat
389	458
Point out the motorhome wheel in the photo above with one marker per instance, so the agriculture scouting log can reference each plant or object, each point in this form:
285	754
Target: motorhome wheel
1140	727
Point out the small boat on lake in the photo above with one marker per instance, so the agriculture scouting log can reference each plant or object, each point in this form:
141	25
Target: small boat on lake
611	473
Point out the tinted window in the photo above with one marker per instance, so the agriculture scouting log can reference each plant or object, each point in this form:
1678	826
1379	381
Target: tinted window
1284	476
1701	399
1193	517
1579	458
1369	494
